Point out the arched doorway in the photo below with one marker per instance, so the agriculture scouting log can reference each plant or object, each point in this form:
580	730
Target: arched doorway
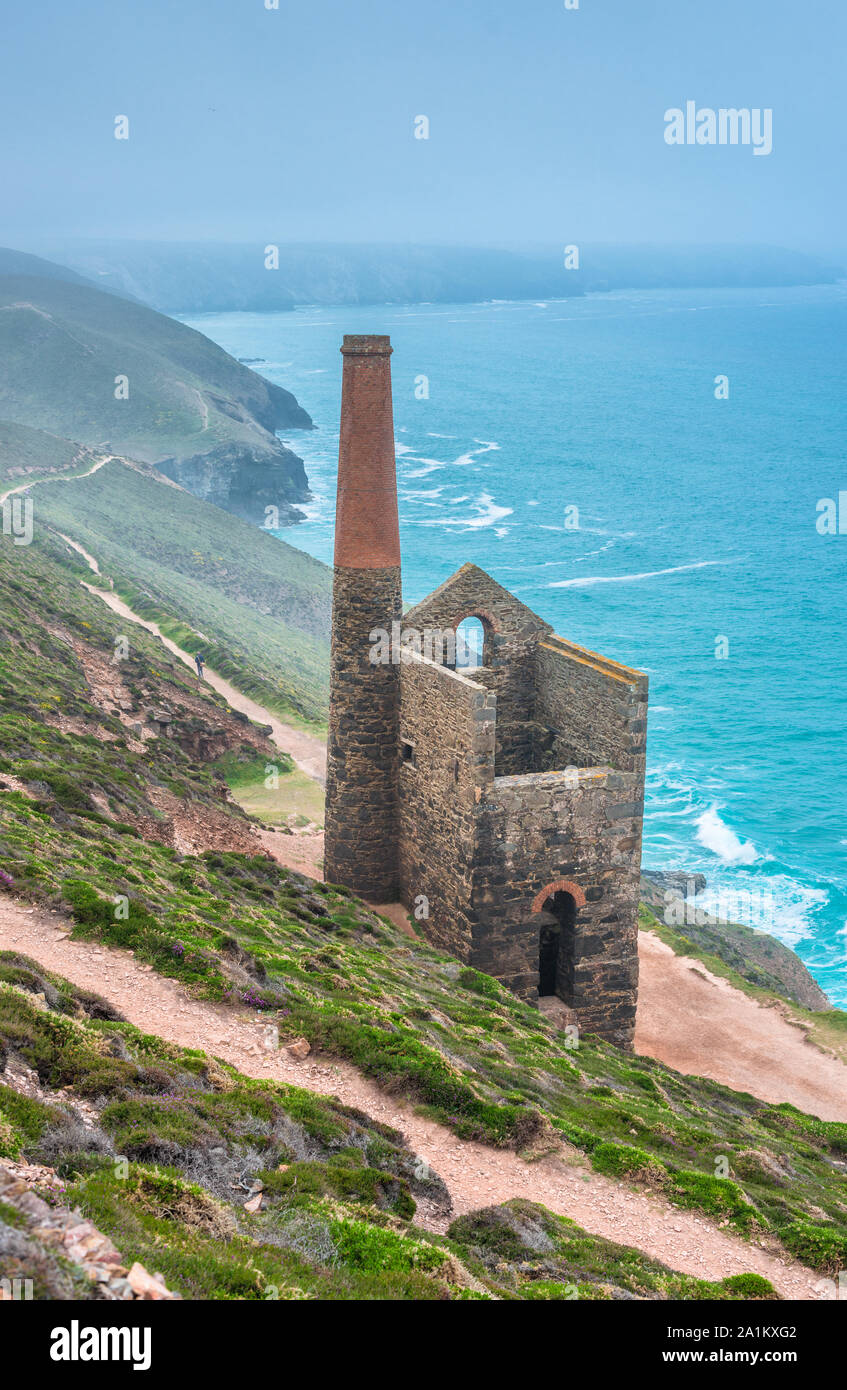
557	947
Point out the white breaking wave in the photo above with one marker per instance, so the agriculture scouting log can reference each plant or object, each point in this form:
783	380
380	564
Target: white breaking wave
487	513
431	465
464	459
722	840
630	578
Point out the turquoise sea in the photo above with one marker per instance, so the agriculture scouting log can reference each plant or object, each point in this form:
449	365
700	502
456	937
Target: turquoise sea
697	556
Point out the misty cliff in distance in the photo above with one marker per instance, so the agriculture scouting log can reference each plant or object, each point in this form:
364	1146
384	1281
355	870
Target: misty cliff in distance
206	277
113	375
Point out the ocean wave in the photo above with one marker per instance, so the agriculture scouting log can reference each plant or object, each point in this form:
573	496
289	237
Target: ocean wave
429	465
630	578
486	446
487	513
721	839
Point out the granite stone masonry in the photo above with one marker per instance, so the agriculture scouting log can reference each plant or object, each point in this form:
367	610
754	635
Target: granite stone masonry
502	803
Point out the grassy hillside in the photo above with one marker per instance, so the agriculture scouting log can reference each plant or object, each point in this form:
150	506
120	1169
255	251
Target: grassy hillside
262	607
162	1147
22	263
109	373
28	454
79	730
78	829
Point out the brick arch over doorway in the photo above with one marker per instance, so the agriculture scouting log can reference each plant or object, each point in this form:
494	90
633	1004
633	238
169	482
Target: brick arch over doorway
561	885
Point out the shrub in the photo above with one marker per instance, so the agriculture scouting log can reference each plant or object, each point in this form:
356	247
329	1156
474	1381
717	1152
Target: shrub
625	1161
750	1286
821	1247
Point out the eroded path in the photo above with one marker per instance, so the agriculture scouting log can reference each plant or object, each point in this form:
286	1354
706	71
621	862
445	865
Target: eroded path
68	477
308	752
475	1174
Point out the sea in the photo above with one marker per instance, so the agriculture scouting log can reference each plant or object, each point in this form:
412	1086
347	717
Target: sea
657	473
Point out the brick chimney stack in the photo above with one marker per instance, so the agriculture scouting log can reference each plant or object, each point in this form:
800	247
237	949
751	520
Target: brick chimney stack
362	756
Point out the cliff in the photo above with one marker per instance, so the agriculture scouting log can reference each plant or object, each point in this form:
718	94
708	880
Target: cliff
215	277
105	372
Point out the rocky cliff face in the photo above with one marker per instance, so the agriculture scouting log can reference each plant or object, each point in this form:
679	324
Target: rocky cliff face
245	480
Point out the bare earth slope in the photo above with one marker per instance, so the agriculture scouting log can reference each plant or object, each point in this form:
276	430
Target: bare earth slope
697	1023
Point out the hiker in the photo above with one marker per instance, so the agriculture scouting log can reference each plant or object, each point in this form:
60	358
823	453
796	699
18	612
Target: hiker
198	662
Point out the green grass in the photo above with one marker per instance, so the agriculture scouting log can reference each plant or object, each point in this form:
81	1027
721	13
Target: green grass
261	606
292	798
180	1139
240	930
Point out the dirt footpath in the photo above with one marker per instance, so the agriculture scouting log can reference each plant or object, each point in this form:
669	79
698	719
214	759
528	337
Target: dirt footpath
475	1175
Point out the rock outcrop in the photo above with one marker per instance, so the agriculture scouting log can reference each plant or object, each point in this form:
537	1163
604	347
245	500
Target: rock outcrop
755	955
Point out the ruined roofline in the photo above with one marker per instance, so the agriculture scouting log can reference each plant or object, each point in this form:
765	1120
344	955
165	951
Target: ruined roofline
470	568
628	675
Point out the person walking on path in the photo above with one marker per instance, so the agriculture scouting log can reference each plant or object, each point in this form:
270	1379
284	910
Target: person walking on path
198	662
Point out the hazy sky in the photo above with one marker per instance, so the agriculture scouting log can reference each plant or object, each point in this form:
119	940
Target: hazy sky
546	124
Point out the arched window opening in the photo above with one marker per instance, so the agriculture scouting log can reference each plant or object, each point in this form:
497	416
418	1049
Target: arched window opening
470	644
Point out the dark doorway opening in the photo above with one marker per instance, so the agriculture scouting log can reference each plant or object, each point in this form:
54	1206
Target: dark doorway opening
557	945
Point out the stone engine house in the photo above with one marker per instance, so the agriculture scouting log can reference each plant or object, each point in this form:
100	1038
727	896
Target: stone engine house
504	799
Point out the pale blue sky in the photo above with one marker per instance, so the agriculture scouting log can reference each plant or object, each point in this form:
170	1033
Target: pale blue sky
296	124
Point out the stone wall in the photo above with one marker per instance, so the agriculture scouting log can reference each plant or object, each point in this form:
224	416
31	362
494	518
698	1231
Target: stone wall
447	724
360	848
597	708
451	786
539	830
512	632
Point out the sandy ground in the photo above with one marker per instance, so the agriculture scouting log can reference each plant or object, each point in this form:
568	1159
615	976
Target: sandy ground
698	1023
475	1175
304	853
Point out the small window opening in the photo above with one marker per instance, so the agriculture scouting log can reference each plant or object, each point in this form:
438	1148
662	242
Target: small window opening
407	752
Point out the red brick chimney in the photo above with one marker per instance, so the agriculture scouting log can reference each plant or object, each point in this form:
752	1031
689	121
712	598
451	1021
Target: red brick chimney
367	533
362	756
